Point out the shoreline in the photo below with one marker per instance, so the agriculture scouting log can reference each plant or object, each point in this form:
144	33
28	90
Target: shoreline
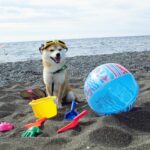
31	70
117	53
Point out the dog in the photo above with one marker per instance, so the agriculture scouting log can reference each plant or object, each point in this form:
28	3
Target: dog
54	71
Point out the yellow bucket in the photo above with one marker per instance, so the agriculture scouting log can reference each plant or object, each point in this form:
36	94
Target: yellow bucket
44	107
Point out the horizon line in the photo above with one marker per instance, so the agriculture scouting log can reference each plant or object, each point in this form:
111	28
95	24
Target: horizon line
121	36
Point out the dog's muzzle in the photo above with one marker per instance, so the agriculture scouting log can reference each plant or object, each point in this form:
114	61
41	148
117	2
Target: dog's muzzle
56	59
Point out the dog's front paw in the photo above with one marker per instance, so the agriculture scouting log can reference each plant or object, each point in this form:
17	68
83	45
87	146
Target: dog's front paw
59	106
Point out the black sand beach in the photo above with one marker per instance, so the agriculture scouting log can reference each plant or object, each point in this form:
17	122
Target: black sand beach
126	131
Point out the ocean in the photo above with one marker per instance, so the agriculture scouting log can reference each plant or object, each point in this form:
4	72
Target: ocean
21	51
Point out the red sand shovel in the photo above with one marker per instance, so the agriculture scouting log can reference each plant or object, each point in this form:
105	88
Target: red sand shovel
74	123
37	123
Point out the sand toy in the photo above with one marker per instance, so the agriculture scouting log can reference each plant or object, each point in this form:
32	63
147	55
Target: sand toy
6	126
31	132
44	107
37	123
71	114
74	123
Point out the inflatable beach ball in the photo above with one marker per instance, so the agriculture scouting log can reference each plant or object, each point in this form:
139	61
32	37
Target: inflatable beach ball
110	89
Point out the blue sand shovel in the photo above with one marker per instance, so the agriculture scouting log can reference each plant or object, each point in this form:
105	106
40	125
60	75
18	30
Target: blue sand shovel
71	114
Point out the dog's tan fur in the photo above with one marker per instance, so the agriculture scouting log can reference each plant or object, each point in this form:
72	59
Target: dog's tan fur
61	85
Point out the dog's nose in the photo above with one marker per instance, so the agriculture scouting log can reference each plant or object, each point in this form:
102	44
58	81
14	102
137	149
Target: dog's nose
58	55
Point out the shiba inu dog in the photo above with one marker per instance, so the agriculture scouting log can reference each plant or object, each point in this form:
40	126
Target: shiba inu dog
54	71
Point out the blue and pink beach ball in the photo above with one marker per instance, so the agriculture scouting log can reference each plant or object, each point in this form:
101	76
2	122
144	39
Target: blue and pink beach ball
110	89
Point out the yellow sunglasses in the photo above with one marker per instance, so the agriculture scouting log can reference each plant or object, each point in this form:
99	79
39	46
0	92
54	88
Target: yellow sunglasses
57	42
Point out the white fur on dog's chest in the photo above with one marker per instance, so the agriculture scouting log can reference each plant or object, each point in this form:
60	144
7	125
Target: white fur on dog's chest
57	78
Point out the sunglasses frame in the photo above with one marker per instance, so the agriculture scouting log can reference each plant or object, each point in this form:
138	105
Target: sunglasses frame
49	43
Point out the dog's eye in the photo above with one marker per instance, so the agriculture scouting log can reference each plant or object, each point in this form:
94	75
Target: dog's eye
51	50
59	49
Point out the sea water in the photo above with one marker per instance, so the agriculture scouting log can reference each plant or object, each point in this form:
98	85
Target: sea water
21	51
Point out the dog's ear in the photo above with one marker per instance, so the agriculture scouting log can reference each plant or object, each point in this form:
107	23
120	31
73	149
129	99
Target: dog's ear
41	48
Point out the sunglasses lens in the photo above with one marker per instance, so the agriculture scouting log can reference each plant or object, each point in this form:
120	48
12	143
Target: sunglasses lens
61	42
49	42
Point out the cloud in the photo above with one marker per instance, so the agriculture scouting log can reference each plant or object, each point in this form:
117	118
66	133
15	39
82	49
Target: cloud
36	19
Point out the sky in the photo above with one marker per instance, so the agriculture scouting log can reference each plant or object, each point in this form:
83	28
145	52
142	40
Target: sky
31	20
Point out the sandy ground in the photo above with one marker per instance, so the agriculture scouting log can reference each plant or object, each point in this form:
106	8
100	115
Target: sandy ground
130	130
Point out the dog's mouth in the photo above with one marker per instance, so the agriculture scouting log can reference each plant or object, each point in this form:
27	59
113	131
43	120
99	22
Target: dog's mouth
56	59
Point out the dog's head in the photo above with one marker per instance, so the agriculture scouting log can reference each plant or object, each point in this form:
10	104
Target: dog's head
53	51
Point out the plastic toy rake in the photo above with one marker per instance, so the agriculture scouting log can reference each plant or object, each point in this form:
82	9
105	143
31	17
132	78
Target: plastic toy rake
74	123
